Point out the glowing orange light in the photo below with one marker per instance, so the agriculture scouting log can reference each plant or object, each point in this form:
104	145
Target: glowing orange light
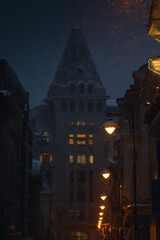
101	214
102	207
103	196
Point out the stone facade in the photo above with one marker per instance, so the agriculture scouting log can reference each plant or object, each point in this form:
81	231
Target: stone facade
16	158
69	142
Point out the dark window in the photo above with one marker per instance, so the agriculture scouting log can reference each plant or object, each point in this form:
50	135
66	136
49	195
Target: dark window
72	106
90	107
90	214
71	194
91	194
81	176
81	194
81	216
99	107
90	177
81	88
73	88
90	88
81	106
63	106
71	177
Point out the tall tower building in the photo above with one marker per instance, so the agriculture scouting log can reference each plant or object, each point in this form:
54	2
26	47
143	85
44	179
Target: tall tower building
69	142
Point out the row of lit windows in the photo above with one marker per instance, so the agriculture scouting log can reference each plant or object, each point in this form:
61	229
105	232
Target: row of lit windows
46	158
79	235
81	123
81	106
81	139
81	159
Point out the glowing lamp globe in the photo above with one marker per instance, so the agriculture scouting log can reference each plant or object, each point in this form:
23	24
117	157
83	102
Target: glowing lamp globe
110	126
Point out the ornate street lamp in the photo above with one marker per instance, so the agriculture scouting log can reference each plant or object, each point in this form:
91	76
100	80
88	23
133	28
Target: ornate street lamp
106	173
110	127
103	196
101	213
102	207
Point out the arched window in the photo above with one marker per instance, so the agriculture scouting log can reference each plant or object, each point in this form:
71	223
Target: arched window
81	88
63	106
73	88
90	107
72	106
99	107
81	106
90	88
46	137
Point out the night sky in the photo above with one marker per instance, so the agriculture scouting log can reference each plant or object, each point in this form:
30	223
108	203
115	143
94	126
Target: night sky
33	35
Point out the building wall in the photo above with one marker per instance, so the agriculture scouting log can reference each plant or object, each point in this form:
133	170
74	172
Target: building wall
16	156
75	104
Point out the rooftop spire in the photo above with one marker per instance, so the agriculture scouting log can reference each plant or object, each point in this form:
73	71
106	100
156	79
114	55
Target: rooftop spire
76	64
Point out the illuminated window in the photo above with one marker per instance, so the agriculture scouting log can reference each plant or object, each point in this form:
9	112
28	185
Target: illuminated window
81	123
71	213
46	137
71	123
91	123
81	216
78	236
71	158
46	158
90	139
91	161
81	139
71	139
81	159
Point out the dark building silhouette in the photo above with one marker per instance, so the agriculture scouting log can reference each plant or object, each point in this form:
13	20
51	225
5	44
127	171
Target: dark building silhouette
16	208
69	142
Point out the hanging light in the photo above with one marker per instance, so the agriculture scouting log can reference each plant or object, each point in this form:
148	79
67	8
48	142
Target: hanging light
106	173
102	207
103	196
110	126
101	213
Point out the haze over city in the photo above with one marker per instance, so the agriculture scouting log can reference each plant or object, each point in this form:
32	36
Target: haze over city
34	34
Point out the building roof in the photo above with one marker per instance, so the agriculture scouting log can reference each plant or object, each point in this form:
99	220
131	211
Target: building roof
76	64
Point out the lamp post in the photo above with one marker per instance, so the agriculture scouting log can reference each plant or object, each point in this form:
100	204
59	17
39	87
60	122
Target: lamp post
109	124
